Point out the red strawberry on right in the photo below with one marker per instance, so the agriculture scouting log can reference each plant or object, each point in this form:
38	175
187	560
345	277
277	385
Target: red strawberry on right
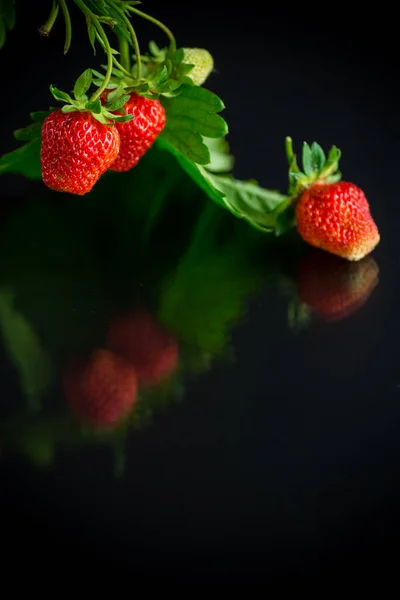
330	214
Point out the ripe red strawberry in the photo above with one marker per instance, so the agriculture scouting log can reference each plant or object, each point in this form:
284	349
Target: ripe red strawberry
140	133
76	150
141	340
101	389
334	287
336	217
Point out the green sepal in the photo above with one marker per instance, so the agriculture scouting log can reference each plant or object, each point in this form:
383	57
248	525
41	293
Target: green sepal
68	108
94	107
83	83
60	95
117	103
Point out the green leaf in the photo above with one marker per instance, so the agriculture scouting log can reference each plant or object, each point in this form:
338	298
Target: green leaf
318	157
83	83
221	161
307	160
40	115
249	201
192	170
60	95
31	132
191	115
245	199
24	349
23	161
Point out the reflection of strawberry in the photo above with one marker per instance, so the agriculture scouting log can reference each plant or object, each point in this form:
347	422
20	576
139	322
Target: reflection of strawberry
334	287
142	341
101	389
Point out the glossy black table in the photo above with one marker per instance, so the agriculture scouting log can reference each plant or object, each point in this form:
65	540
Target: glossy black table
272	446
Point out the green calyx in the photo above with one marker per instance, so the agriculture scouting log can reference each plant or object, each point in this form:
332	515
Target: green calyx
81	101
317	168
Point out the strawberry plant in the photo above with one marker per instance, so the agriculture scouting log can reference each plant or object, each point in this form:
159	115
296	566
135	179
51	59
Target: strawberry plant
137	100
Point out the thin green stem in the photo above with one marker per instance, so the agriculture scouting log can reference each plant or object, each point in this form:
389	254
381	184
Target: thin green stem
90	16
48	26
289	149
124	53
135	42
68	27
165	29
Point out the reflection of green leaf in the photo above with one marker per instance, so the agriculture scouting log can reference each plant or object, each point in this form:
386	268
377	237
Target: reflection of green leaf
46	258
24	349
206	294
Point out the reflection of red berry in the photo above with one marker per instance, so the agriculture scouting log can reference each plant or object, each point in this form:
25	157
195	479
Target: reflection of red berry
100	389
141	340
336	218
140	133
333	287
76	150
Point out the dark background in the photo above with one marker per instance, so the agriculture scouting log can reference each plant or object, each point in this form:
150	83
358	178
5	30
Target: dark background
288	463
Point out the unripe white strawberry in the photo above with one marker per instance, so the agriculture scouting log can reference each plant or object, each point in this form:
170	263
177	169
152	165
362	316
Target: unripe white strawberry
203	64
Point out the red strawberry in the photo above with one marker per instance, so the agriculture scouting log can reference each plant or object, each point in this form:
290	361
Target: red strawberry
333	287
141	340
140	133
101	389
76	150
336	218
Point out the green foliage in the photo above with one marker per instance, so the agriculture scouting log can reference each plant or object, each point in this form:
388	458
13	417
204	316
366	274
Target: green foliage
190	116
7	19
206	294
25	350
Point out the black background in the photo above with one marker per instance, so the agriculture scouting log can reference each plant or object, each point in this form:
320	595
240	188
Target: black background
289	463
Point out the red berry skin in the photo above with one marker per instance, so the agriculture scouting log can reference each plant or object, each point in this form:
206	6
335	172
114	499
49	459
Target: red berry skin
76	150
336	217
101	389
140	133
145	344
334	287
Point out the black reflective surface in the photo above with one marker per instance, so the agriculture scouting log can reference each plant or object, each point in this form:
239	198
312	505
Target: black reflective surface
270	446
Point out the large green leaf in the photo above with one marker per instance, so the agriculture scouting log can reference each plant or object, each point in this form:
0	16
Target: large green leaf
190	116
262	208
25	160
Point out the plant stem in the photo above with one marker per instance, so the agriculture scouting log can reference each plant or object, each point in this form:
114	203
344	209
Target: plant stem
135	42
48	26
289	149
90	16
124	53
68	28
165	29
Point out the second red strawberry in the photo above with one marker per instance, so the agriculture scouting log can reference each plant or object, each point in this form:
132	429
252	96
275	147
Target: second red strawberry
140	133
